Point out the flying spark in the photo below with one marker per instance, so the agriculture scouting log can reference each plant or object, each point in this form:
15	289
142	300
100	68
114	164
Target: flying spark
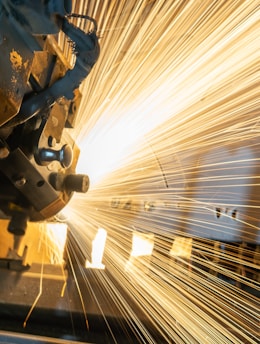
169	136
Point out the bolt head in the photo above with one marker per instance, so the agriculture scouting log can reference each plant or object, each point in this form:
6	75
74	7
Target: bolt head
20	182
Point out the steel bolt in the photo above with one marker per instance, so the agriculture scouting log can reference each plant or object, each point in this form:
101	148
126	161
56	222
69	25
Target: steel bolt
20	182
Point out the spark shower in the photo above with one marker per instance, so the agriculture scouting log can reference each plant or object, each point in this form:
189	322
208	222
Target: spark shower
169	136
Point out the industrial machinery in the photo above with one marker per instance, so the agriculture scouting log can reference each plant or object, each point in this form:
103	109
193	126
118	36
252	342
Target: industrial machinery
39	103
39	95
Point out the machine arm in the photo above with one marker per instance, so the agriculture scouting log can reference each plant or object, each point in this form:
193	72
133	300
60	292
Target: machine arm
86	47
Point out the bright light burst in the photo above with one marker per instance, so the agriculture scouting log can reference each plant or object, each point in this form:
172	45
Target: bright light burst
169	135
